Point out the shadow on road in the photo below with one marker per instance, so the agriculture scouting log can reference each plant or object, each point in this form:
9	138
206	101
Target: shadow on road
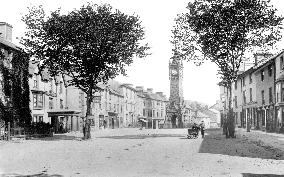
260	175
216	143
33	175
142	136
58	137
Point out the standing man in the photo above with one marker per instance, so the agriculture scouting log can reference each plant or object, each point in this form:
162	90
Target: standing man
202	128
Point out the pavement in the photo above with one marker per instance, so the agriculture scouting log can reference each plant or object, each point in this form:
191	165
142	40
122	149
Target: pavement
133	152
275	140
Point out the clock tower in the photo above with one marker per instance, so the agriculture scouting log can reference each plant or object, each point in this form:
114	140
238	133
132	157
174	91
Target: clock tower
176	92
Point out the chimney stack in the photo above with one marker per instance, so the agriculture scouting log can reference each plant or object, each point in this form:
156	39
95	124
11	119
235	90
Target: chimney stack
139	88
6	31
260	56
149	90
160	94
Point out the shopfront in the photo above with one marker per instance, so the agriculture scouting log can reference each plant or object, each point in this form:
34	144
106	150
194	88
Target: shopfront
113	120
65	120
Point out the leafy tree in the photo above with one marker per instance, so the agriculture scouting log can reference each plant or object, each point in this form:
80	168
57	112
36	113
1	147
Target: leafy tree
16	87
90	45
224	32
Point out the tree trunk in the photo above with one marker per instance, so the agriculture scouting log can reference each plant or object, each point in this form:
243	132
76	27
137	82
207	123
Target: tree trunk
230	121
87	122
248	116
180	124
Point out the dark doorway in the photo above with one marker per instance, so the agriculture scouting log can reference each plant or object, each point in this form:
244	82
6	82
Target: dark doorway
173	119
112	123
55	124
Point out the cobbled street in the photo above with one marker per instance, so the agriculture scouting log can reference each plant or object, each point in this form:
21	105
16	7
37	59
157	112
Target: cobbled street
147	152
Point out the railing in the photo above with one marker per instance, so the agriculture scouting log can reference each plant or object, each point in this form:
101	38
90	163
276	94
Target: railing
3	133
18	132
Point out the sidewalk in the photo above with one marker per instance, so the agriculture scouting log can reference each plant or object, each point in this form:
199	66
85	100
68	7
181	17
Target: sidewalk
263	138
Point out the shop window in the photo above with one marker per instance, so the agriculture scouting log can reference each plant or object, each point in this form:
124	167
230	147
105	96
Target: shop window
282	92
50	85
244	97
50	103
262	97
37	118
270	95
61	104
250	94
263	118
282	116
60	87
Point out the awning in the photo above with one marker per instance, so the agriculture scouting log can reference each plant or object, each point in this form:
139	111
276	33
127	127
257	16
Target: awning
143	120
63	113
156	118
112	113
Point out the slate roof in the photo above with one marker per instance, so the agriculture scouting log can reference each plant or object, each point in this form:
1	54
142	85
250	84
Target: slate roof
9	44
155	96
216	106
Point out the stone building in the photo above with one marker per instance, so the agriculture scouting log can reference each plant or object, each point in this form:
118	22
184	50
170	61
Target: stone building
237	100
107	106
279	97
14	63
155	108
265	94
52	101
260	90
176	101
129	105
247	99
141	106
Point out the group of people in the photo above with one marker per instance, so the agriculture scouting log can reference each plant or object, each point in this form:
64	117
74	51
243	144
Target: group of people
200	127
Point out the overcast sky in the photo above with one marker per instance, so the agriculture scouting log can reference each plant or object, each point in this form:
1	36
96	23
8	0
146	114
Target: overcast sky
157	16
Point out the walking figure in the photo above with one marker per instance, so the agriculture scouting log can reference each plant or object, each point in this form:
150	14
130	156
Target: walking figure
202	128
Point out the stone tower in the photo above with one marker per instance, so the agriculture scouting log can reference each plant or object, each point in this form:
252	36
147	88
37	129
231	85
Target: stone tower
176	78
176	92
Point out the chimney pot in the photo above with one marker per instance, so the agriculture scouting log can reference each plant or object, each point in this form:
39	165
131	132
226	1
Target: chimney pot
6	31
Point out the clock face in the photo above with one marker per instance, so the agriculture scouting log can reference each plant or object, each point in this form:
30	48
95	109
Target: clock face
174	72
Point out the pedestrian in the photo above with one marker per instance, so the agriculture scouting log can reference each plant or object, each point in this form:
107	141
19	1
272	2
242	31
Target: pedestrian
202	128
105	123
61	127
195	130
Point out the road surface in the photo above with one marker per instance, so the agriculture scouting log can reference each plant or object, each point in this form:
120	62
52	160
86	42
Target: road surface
134	152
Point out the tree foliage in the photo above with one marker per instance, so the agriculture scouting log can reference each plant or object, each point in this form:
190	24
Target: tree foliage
224	31
15	106
90	45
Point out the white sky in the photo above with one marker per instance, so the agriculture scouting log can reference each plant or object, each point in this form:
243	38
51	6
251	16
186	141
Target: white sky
157	16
